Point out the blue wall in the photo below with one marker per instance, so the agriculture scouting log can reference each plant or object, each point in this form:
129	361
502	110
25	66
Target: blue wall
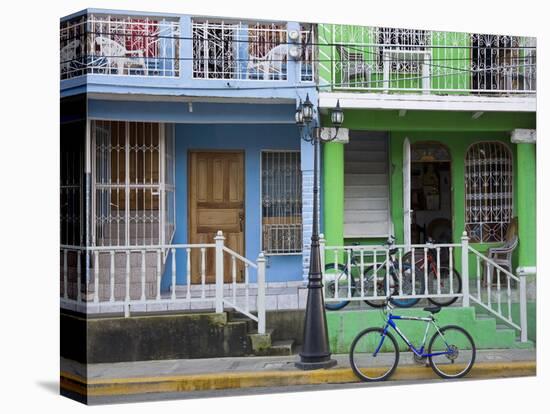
252	139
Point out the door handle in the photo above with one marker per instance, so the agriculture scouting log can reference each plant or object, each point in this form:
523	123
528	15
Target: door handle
241	219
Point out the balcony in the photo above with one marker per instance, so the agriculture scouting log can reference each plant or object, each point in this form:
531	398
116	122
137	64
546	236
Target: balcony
119	45
388	60
185	50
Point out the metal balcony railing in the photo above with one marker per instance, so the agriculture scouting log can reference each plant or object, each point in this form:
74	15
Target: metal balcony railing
386	60
119	45
152	46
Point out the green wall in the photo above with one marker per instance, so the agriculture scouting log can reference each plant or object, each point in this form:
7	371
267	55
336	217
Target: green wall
527	203
343	326
457	130
333	193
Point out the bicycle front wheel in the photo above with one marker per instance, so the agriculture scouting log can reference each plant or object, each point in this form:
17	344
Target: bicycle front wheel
408	275
452	351
374	355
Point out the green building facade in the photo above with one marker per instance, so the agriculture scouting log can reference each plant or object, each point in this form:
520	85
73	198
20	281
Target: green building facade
441	129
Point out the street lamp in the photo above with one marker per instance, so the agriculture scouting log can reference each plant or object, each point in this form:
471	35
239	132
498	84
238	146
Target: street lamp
315	350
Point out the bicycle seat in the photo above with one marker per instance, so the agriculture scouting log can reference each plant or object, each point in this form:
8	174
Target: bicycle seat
432	309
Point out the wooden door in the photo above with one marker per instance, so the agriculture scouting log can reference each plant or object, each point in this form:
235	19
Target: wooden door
216	202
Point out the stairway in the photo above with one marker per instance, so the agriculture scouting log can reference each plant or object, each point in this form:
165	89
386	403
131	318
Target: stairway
263	344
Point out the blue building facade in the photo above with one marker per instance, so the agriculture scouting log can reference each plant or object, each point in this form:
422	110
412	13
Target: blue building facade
161	92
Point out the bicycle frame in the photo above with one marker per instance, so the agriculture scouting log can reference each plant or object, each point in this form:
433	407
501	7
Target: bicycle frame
419	352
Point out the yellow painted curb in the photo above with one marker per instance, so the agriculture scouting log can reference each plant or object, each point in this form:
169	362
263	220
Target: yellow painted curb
232	380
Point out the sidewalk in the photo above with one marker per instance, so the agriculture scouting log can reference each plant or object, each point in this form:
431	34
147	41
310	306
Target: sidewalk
177	376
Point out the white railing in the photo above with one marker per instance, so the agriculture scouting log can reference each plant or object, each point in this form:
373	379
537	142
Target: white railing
496	289
378	271
403	60
257	51
130	279
119	45
371	273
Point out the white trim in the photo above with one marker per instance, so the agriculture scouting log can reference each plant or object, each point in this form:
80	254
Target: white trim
524	136
353	100
526	270
342	134
407	212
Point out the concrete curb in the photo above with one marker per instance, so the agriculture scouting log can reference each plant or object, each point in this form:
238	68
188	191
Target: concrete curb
234	380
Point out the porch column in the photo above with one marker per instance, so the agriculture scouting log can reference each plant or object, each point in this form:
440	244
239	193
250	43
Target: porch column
526	196
333	193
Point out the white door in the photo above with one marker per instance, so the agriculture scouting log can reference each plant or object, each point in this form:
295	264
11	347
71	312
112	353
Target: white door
407	212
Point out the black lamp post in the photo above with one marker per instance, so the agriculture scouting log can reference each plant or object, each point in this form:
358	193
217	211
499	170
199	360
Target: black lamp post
316	350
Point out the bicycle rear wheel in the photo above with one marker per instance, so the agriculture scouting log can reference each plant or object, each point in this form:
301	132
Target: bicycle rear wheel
332	274
369	285
444	285
373	355
457	352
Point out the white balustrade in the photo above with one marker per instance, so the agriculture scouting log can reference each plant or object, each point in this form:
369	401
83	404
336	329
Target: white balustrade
129	279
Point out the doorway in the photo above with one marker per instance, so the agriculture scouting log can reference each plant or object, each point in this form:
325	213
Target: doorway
430	193
216	202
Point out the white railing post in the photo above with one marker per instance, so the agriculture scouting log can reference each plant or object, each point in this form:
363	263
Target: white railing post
523	306
465	271
260	301
127	285
426	57
386	71
219	239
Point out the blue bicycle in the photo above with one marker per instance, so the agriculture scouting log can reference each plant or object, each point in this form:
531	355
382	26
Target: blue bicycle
374	353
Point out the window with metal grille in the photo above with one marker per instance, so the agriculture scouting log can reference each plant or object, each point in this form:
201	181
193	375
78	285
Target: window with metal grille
133	186
497	63
488	179
281	202
402	40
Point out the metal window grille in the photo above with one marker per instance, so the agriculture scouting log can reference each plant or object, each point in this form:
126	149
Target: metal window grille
134	204
395	40
488	179
281	202
119	45
500	63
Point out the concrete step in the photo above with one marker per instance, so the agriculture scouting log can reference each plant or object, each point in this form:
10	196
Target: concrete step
282	347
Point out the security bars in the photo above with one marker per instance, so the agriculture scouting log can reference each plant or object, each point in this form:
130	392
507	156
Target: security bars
134	183
488	180
281	202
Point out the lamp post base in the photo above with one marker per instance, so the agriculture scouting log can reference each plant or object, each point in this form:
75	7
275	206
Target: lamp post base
310	366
